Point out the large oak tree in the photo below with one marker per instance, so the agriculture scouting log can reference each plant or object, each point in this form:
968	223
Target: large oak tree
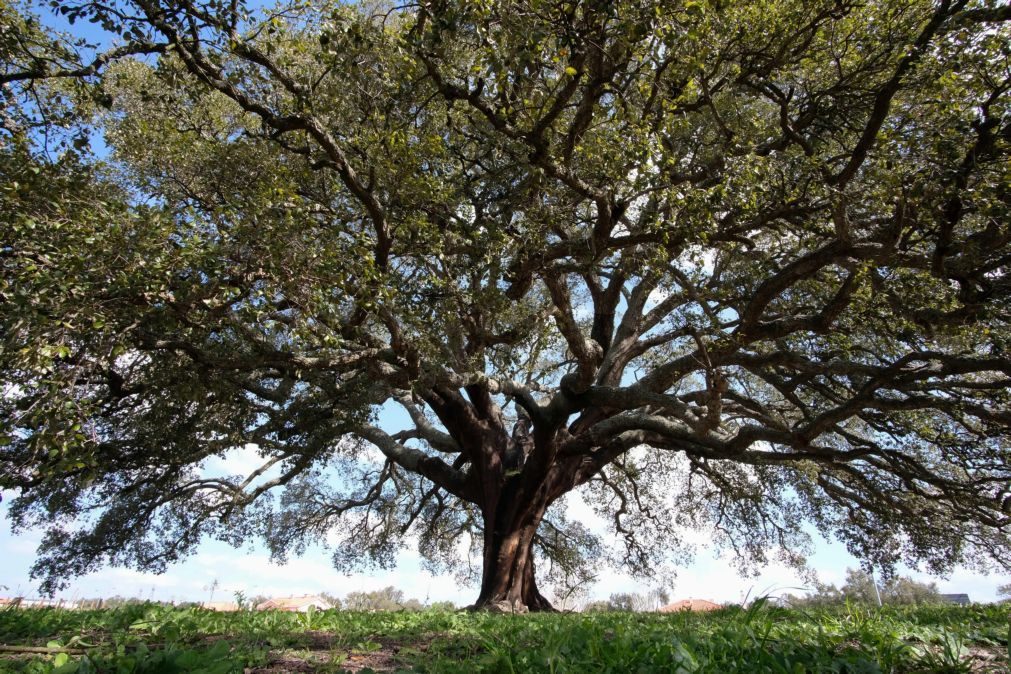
733	265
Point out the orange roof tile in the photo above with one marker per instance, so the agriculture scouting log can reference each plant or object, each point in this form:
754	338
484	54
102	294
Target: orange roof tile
690	605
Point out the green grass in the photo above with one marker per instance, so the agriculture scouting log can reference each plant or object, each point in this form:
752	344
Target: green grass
151	638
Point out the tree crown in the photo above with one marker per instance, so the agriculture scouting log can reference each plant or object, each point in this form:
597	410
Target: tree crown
733	265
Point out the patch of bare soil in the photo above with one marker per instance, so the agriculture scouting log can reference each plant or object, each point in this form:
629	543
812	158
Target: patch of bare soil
321	654
988	660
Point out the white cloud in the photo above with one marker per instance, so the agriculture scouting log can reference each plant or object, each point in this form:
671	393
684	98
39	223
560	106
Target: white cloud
22	545
240	461
655	297
711	578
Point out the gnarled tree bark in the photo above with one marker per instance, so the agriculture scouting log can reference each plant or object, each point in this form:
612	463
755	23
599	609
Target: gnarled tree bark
508	581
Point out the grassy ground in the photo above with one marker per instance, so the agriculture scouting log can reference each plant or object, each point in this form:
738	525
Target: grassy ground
149	638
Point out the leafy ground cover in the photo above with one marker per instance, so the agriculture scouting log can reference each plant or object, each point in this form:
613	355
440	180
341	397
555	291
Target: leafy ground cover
152	638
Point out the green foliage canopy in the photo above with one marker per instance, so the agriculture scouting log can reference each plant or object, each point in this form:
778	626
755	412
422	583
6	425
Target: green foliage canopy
729	265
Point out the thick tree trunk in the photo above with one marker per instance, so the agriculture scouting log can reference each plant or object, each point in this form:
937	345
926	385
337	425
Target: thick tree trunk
508	582
517	484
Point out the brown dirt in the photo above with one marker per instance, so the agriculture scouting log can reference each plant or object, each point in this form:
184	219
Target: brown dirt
321	655
992	660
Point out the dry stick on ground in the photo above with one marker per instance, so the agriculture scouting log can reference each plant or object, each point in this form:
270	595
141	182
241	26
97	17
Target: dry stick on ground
45	650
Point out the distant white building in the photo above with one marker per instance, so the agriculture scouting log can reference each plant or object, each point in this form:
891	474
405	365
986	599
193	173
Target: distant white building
299	604
960	599
226	606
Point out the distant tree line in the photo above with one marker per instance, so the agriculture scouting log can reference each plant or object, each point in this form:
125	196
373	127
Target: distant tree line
859	588
633	602
387	599
116	601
